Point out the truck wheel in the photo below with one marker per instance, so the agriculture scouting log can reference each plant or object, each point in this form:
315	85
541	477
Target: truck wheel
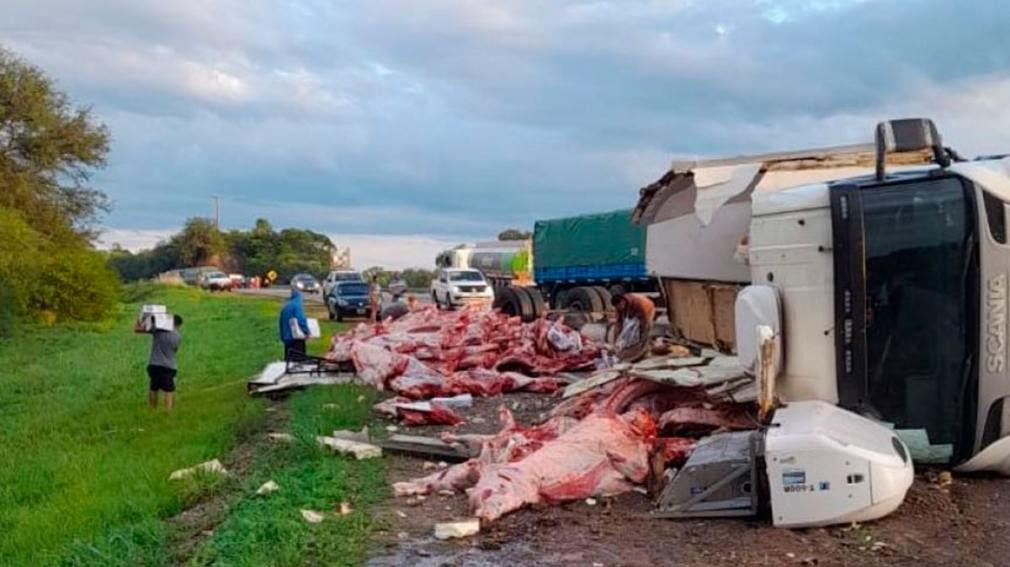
539	306
604	294
506	301
525	304
434	299
514	301
584	299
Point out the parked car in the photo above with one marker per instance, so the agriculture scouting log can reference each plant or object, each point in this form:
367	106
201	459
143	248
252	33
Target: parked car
340	276
216	281
456	286
238	280
347	298
305	283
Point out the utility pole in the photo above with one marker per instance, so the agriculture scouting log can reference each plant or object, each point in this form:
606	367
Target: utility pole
217	211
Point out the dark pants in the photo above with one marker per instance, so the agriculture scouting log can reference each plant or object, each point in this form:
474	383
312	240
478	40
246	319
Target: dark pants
162	378
294	350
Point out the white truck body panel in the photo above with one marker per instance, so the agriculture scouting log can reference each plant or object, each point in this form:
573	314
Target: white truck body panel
791	250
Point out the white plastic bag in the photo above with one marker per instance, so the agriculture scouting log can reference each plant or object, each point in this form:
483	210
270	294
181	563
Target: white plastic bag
630	334
564	341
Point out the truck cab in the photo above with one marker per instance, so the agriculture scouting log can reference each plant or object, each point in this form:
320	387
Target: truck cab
890	262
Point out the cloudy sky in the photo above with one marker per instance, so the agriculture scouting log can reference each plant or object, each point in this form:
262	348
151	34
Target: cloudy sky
403	126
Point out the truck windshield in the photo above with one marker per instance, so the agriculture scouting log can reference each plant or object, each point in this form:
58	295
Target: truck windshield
919	261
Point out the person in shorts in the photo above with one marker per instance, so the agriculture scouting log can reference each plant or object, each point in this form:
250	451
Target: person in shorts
161	365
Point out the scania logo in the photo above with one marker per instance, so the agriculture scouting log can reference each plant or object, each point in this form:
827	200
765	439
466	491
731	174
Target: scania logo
995	323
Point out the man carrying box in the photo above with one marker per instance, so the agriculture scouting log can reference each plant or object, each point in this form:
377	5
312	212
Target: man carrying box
161	365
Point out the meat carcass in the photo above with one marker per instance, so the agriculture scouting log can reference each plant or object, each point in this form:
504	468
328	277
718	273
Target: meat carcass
561	459
409	412
430	353
603	455
511	443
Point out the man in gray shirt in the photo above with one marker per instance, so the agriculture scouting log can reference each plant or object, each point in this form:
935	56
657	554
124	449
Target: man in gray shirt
161	367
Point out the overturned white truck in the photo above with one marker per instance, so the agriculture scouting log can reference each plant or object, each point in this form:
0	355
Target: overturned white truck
889	266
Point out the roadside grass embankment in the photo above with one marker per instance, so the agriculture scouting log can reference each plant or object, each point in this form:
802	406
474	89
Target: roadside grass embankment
84	463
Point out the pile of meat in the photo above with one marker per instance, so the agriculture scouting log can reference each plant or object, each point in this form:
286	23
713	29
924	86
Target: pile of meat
600	443
430	353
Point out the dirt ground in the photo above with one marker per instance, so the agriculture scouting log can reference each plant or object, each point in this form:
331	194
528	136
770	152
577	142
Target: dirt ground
966	523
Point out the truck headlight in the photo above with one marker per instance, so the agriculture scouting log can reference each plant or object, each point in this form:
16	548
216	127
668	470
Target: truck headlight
455	289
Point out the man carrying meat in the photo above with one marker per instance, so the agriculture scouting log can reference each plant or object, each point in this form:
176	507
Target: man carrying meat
294	327
635	313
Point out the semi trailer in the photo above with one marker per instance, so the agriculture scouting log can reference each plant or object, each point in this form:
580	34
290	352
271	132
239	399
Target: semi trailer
881	269
576	260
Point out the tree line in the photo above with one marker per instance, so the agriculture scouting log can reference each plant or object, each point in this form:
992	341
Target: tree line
256	251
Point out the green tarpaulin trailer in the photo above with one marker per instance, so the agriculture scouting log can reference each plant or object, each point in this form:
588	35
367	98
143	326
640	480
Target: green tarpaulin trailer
601	246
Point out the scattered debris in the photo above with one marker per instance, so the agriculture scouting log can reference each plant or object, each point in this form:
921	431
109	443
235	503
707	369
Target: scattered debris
401	514
362	436
425	447
590	502
451	530
312	517
281	437
944	479
212	466
268	487
358	450
344	508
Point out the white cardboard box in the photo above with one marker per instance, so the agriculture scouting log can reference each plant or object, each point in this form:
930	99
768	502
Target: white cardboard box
314	332
155	317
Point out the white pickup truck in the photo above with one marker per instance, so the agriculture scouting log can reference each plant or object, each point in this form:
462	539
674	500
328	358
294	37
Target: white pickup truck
455	286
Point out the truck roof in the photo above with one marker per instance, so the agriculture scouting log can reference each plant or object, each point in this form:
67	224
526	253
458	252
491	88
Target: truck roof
717	181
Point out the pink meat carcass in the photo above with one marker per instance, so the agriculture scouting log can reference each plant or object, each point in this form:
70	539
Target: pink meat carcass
602	455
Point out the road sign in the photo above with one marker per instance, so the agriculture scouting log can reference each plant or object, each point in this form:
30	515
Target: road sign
271	275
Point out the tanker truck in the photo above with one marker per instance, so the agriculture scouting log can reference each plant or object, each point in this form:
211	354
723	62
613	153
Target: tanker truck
880	268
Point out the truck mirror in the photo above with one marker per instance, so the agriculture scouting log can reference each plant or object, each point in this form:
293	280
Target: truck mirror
908	135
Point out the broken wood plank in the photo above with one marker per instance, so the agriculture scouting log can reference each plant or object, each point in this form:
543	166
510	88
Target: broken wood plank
597	379
293	382
426	447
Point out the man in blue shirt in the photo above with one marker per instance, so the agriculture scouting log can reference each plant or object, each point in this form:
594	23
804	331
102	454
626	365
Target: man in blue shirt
294	327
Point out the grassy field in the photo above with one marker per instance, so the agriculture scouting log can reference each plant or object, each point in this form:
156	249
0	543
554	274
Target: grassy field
84	463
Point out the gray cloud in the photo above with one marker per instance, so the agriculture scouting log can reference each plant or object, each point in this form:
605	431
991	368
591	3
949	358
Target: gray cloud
455	118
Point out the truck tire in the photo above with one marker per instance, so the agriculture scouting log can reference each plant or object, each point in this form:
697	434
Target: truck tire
539	305
519	301
525	303
584	299
604	294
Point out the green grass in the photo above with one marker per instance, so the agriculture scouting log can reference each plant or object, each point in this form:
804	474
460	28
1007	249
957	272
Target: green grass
269	530
84	463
